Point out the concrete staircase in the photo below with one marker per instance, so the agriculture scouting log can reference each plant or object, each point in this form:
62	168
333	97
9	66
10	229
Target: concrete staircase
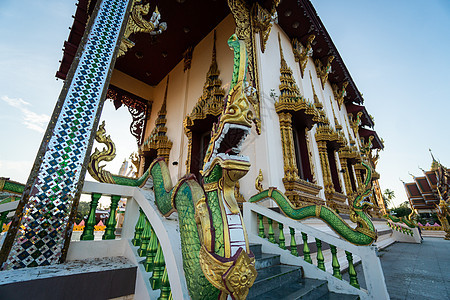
279	281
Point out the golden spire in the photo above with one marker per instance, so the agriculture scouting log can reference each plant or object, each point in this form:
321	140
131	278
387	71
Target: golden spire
158	139
336	122
211	100
318	104
289	91
316	99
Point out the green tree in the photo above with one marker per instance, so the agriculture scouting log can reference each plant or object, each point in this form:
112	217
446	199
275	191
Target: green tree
82	211
402	211
388	196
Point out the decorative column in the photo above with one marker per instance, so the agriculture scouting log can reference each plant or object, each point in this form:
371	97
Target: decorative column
287	140
327	180
344	166
41	229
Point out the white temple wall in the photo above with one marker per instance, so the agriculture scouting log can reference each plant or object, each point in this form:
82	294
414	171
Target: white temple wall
185	87
131	84
265	150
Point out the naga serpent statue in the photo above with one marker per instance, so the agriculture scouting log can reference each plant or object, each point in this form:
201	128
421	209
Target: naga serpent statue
217	260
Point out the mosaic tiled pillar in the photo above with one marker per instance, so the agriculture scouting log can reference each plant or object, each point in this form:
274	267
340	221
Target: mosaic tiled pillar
41	230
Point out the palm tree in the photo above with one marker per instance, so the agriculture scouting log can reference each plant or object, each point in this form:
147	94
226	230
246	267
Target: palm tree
388	195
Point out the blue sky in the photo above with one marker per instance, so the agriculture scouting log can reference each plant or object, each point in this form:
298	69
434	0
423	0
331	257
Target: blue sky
396	52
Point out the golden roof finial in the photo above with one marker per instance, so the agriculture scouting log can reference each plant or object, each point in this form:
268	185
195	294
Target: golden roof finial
163	107
214	47
316	99
281	49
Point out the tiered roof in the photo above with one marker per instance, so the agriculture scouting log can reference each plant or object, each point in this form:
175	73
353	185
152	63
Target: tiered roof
422	193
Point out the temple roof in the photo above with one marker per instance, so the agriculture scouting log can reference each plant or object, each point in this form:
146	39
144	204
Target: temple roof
422	193
190	21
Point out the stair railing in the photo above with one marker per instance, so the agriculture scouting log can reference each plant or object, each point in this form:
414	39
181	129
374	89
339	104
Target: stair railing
403	233
145	239
254	217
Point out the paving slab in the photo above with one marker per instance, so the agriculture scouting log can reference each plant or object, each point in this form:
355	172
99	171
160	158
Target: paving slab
415	271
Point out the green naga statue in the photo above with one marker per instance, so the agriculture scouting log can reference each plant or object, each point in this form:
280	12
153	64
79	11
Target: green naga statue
217	260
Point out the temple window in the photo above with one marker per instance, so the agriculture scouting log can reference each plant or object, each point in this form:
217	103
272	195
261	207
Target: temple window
199	136
333	169
199	122
296	116
301	153
352	176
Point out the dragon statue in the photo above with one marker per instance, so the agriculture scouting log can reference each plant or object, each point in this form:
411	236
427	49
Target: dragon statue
137	24
365	232
408	221
217	260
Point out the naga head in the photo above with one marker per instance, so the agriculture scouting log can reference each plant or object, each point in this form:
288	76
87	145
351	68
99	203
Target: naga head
235	122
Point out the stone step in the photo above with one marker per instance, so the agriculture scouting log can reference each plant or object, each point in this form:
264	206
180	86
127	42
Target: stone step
265	260
305	289
337	296
256	249
273	277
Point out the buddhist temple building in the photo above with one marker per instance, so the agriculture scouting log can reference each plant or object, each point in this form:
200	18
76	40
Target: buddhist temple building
247	123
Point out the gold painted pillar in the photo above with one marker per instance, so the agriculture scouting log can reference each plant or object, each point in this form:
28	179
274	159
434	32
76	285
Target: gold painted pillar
326	172
344	166
290	163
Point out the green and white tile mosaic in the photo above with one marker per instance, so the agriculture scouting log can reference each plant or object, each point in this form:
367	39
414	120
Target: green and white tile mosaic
40	236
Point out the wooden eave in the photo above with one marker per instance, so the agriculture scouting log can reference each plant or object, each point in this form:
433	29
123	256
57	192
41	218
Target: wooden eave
366	133
353	109
299	19
84	9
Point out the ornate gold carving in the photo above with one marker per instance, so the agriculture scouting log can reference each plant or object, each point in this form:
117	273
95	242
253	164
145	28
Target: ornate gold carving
355	122
264	21
158	139
213	269
302	53
187	58
203	221
107	154
211	101
289	102
324	70
287	141
344	155
340	93
237	194
336	122
290	98
326	173
259	179
136	162
245	30
231	277
137	24
301	193
241	276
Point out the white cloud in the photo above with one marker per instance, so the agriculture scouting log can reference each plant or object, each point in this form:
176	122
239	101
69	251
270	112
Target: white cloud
30	119
16	170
